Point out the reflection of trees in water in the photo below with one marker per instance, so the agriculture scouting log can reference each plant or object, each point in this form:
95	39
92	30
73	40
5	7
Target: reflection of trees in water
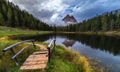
110	44
36	37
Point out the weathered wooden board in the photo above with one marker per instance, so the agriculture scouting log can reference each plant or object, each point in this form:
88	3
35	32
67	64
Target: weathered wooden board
37	60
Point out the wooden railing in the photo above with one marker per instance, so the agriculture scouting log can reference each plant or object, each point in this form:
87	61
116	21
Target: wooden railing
11	48
50	48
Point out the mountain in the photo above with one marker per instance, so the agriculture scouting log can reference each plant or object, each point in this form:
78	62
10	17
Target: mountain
109	21
12	16
69	19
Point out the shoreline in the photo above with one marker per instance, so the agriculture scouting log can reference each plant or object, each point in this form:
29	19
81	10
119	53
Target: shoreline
9	31
94	64
74	57
107	33
77	58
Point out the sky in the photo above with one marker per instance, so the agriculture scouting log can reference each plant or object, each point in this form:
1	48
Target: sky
53	11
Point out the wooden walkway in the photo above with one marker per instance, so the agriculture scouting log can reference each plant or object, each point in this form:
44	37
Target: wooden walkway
37	60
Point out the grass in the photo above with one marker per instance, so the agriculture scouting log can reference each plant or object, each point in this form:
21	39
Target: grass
62	59
16	31
106	33
6	63
65	60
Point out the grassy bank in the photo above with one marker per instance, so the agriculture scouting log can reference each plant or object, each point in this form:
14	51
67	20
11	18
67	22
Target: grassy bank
16	31
65	60
107	33
62	59
6	62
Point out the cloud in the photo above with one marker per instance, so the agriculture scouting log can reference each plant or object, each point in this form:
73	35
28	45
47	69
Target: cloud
52	11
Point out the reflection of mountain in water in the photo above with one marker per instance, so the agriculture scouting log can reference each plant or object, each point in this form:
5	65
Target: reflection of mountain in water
68	43
104	43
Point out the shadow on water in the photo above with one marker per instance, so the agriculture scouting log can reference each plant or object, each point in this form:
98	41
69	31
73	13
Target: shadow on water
37	37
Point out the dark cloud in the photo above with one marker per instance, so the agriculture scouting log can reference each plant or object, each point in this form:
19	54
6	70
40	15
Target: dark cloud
52	11
43	14
27	2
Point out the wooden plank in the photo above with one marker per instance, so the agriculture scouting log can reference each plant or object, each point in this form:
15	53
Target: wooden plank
42	47
33	67
35	61
41	52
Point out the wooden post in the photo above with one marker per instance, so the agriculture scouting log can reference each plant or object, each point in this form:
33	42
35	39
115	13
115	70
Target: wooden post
33	44
54	44
49	54
54	37
13	53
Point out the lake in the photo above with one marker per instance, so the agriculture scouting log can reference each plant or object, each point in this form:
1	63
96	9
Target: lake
104	49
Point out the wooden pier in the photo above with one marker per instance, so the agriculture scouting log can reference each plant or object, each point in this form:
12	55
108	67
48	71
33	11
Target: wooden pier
37	60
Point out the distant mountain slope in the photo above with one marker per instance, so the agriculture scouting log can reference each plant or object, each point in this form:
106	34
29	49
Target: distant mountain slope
11	15
109	21
69	19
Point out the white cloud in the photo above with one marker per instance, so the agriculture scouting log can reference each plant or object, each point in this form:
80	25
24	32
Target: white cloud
54	17
52	5
52	11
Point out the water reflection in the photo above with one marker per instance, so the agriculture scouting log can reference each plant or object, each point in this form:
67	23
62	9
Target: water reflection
37	37
104	43
103	48
68	43
100	48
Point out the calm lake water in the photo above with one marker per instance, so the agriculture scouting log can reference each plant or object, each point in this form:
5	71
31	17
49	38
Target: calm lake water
104	49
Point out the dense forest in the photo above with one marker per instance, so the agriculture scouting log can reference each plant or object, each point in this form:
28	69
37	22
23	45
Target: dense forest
109	21
12	16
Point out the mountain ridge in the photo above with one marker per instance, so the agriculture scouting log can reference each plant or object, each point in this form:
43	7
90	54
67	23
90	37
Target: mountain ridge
69	19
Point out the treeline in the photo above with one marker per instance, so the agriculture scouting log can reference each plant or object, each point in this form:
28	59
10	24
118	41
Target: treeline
106	22
12	16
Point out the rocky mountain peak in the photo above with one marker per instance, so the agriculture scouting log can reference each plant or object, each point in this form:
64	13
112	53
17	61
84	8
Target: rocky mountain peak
69	19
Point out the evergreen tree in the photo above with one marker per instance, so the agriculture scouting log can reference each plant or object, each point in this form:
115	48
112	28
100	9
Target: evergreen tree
105	22
11	15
